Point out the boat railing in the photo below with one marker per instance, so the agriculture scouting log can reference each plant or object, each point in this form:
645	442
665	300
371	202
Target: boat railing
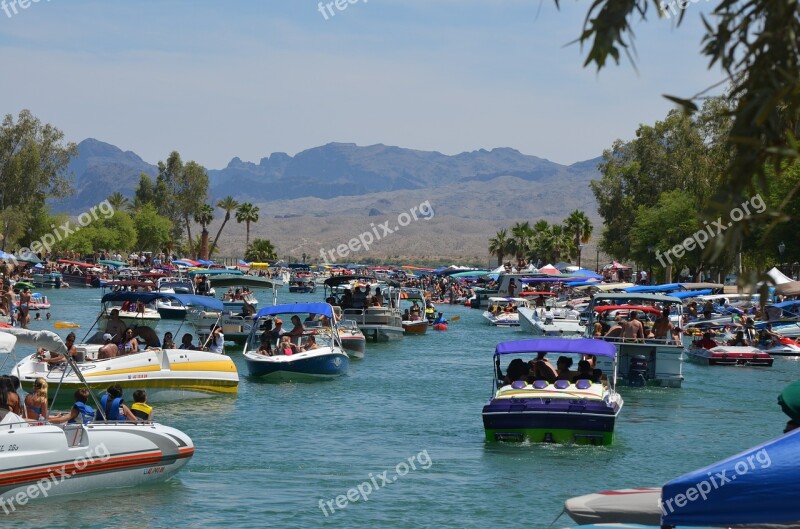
640	341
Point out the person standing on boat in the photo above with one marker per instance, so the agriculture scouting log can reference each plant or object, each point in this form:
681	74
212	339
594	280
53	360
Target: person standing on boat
116	327
216	340
633	328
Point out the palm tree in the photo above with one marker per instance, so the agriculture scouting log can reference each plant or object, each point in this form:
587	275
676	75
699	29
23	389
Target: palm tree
117	200
578	223
498	245
228	204
521	241
247	213
260	251
204	218
557	242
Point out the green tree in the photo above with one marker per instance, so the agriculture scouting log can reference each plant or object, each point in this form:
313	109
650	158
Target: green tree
521	241
191	194
498	245
247	213
204	218
260	251
755	44
153	230
33	164
229	205
578	224
145	192
117	200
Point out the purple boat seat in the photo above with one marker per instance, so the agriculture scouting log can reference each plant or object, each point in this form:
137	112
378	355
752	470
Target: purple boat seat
583	384
539	384
518	384
561	384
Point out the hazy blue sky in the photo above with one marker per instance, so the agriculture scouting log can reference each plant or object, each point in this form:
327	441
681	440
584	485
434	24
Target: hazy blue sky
218	79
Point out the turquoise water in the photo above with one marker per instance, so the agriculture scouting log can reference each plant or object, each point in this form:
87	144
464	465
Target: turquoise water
268	456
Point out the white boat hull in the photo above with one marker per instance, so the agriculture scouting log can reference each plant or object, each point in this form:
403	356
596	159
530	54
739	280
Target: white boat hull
51	460
530	322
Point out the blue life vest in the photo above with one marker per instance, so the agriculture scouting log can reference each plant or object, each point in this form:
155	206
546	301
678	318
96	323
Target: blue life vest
86	412
109	411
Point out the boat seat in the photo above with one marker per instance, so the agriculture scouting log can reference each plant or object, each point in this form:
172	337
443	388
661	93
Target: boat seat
518	384
539	384
561	384
583	384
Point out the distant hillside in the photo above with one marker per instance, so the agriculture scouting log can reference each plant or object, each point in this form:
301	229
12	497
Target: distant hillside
323	197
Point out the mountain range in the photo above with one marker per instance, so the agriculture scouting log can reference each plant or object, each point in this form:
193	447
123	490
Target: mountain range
473	193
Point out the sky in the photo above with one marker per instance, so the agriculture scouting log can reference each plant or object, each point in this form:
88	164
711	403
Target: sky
221	79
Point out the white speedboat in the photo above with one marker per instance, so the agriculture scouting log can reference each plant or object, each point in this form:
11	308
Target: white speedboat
502	312
327	360
166	374
43	460
551	322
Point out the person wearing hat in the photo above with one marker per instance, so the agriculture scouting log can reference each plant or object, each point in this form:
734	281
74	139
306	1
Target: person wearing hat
276	333
109	348
789	401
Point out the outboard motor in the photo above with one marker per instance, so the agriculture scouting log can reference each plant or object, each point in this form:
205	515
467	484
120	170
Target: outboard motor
637	371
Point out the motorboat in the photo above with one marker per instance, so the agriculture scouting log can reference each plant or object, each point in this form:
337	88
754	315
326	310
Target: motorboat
502	312
41	459
38	302
133	314
552	411
47	279
757	488
166	374
728	355
236	322
301	280
238	295
353	340
649	361
327	360
379	324
563	321
416	320
78	274
171	309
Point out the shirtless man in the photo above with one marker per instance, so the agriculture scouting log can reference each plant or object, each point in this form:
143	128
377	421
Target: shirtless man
116	327
662	328
633	328
8	303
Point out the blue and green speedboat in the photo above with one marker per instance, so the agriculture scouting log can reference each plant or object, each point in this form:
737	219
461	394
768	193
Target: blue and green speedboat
532	402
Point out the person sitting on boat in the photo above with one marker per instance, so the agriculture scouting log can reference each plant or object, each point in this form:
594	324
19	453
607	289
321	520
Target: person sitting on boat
140	409
440	319
517	370
216	340
585	372
167	342
347	300
36	401
377	299
562	368
540	301
148	336
542	369
633	328
598	330
311	343
298	328
708	309
129	343
116	327
111	404
286	347
739	340
615	332
80	410
360	298
706	343
768	337
406	315
247	309
109	348
186	342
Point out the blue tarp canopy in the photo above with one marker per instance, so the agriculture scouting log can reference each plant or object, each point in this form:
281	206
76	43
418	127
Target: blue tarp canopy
575	284
758	486
691	293
551	279
149	297
585	346
586	273
654	288
786	304
297	308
